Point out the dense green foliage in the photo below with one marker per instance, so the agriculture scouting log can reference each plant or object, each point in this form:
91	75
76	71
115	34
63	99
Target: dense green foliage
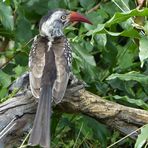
111	56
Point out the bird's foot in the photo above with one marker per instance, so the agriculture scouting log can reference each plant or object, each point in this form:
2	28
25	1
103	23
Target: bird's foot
74	81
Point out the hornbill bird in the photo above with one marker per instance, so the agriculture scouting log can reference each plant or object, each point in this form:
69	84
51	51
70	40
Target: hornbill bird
50	67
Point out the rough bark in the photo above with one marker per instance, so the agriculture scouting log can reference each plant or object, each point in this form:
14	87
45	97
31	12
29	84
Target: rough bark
17	113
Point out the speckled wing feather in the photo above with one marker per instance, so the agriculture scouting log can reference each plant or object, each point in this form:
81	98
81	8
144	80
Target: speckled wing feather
63	58
37	63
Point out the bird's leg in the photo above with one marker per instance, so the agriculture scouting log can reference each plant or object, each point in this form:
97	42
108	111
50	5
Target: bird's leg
21	83
75	84
74	81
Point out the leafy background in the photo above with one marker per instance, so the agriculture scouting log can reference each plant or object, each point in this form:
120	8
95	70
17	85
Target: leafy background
111	57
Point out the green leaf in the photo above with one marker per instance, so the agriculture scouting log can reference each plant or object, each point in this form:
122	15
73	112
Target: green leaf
130	76
56	116
19	70
142	137
32	2
87	4
99	29
101	40
23	30
122	5
143	54
127	33
146	28
109	8
120	17
97	17
3	93
137	102
75	64
72	5
131	32
126	55
6	17
99	130
88	58
21	59
5	79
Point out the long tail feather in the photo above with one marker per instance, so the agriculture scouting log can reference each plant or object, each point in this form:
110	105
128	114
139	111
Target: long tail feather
41	128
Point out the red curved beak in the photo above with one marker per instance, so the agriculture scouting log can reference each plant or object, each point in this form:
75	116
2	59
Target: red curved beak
74	16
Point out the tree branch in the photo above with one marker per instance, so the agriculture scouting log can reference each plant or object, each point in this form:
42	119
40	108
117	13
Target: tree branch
17	113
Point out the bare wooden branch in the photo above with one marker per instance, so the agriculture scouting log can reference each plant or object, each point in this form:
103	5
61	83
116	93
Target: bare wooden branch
17	113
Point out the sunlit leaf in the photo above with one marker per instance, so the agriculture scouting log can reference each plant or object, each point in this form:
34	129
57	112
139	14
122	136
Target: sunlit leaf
5	79
146	28
136	102
142	137
87	4
3	92
6	17
123	5
89	59
120	17
99	29
143	54
130	76
126	55
127	33
23	30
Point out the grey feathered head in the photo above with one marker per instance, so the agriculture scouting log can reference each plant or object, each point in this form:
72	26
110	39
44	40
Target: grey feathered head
52	24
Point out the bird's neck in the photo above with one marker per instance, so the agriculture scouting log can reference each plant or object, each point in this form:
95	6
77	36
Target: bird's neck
51	31
57	42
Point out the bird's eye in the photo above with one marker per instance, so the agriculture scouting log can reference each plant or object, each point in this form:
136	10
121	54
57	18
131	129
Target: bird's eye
63	17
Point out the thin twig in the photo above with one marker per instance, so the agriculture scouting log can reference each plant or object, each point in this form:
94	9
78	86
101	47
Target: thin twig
93	9
5	64
141	3
78	135
87	12
22	145
7	128
125	137
146	145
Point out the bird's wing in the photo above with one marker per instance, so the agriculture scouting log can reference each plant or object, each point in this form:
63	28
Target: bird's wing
62	52
36	64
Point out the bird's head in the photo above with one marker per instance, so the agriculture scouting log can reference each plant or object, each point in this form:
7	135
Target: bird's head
52	24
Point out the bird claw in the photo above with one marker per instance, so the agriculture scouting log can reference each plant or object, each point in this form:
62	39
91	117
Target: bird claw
74	81
21	83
